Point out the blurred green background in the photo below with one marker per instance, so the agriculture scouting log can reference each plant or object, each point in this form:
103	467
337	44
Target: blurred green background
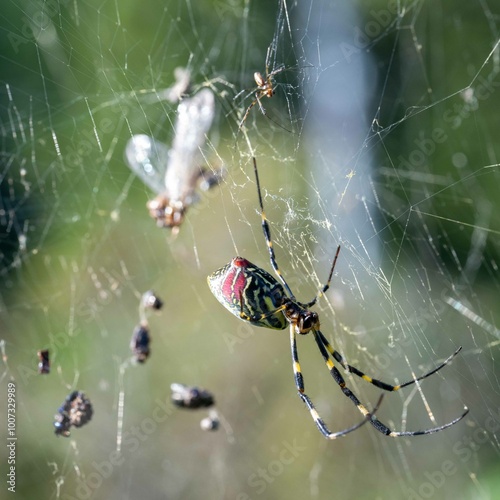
381	137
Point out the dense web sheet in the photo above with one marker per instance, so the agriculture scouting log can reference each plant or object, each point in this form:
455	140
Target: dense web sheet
381	137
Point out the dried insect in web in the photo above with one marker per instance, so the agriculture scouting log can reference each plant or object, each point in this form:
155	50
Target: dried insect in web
149	300
193	398
139	344
253	295
75	411
43	361
175	174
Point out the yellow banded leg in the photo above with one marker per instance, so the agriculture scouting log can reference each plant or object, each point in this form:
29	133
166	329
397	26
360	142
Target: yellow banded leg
379	383
299	382
247	112
326	286
267	233
369	416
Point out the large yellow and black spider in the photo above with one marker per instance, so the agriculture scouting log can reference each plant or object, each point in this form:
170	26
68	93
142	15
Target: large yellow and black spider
253	295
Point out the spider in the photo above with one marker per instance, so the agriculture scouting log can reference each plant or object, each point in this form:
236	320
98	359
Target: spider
265	88
254	295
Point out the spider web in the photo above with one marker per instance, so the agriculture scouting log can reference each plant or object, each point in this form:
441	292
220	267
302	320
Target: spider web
381	137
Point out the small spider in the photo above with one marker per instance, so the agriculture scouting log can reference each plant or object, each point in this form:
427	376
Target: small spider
253	295
265	88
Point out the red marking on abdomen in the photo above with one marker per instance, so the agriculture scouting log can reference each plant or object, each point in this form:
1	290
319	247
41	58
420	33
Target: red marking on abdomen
240	262
233	283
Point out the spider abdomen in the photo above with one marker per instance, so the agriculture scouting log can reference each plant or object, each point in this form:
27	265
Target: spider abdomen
242	287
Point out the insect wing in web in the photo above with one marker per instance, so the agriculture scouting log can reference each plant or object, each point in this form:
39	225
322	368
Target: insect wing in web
148	159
